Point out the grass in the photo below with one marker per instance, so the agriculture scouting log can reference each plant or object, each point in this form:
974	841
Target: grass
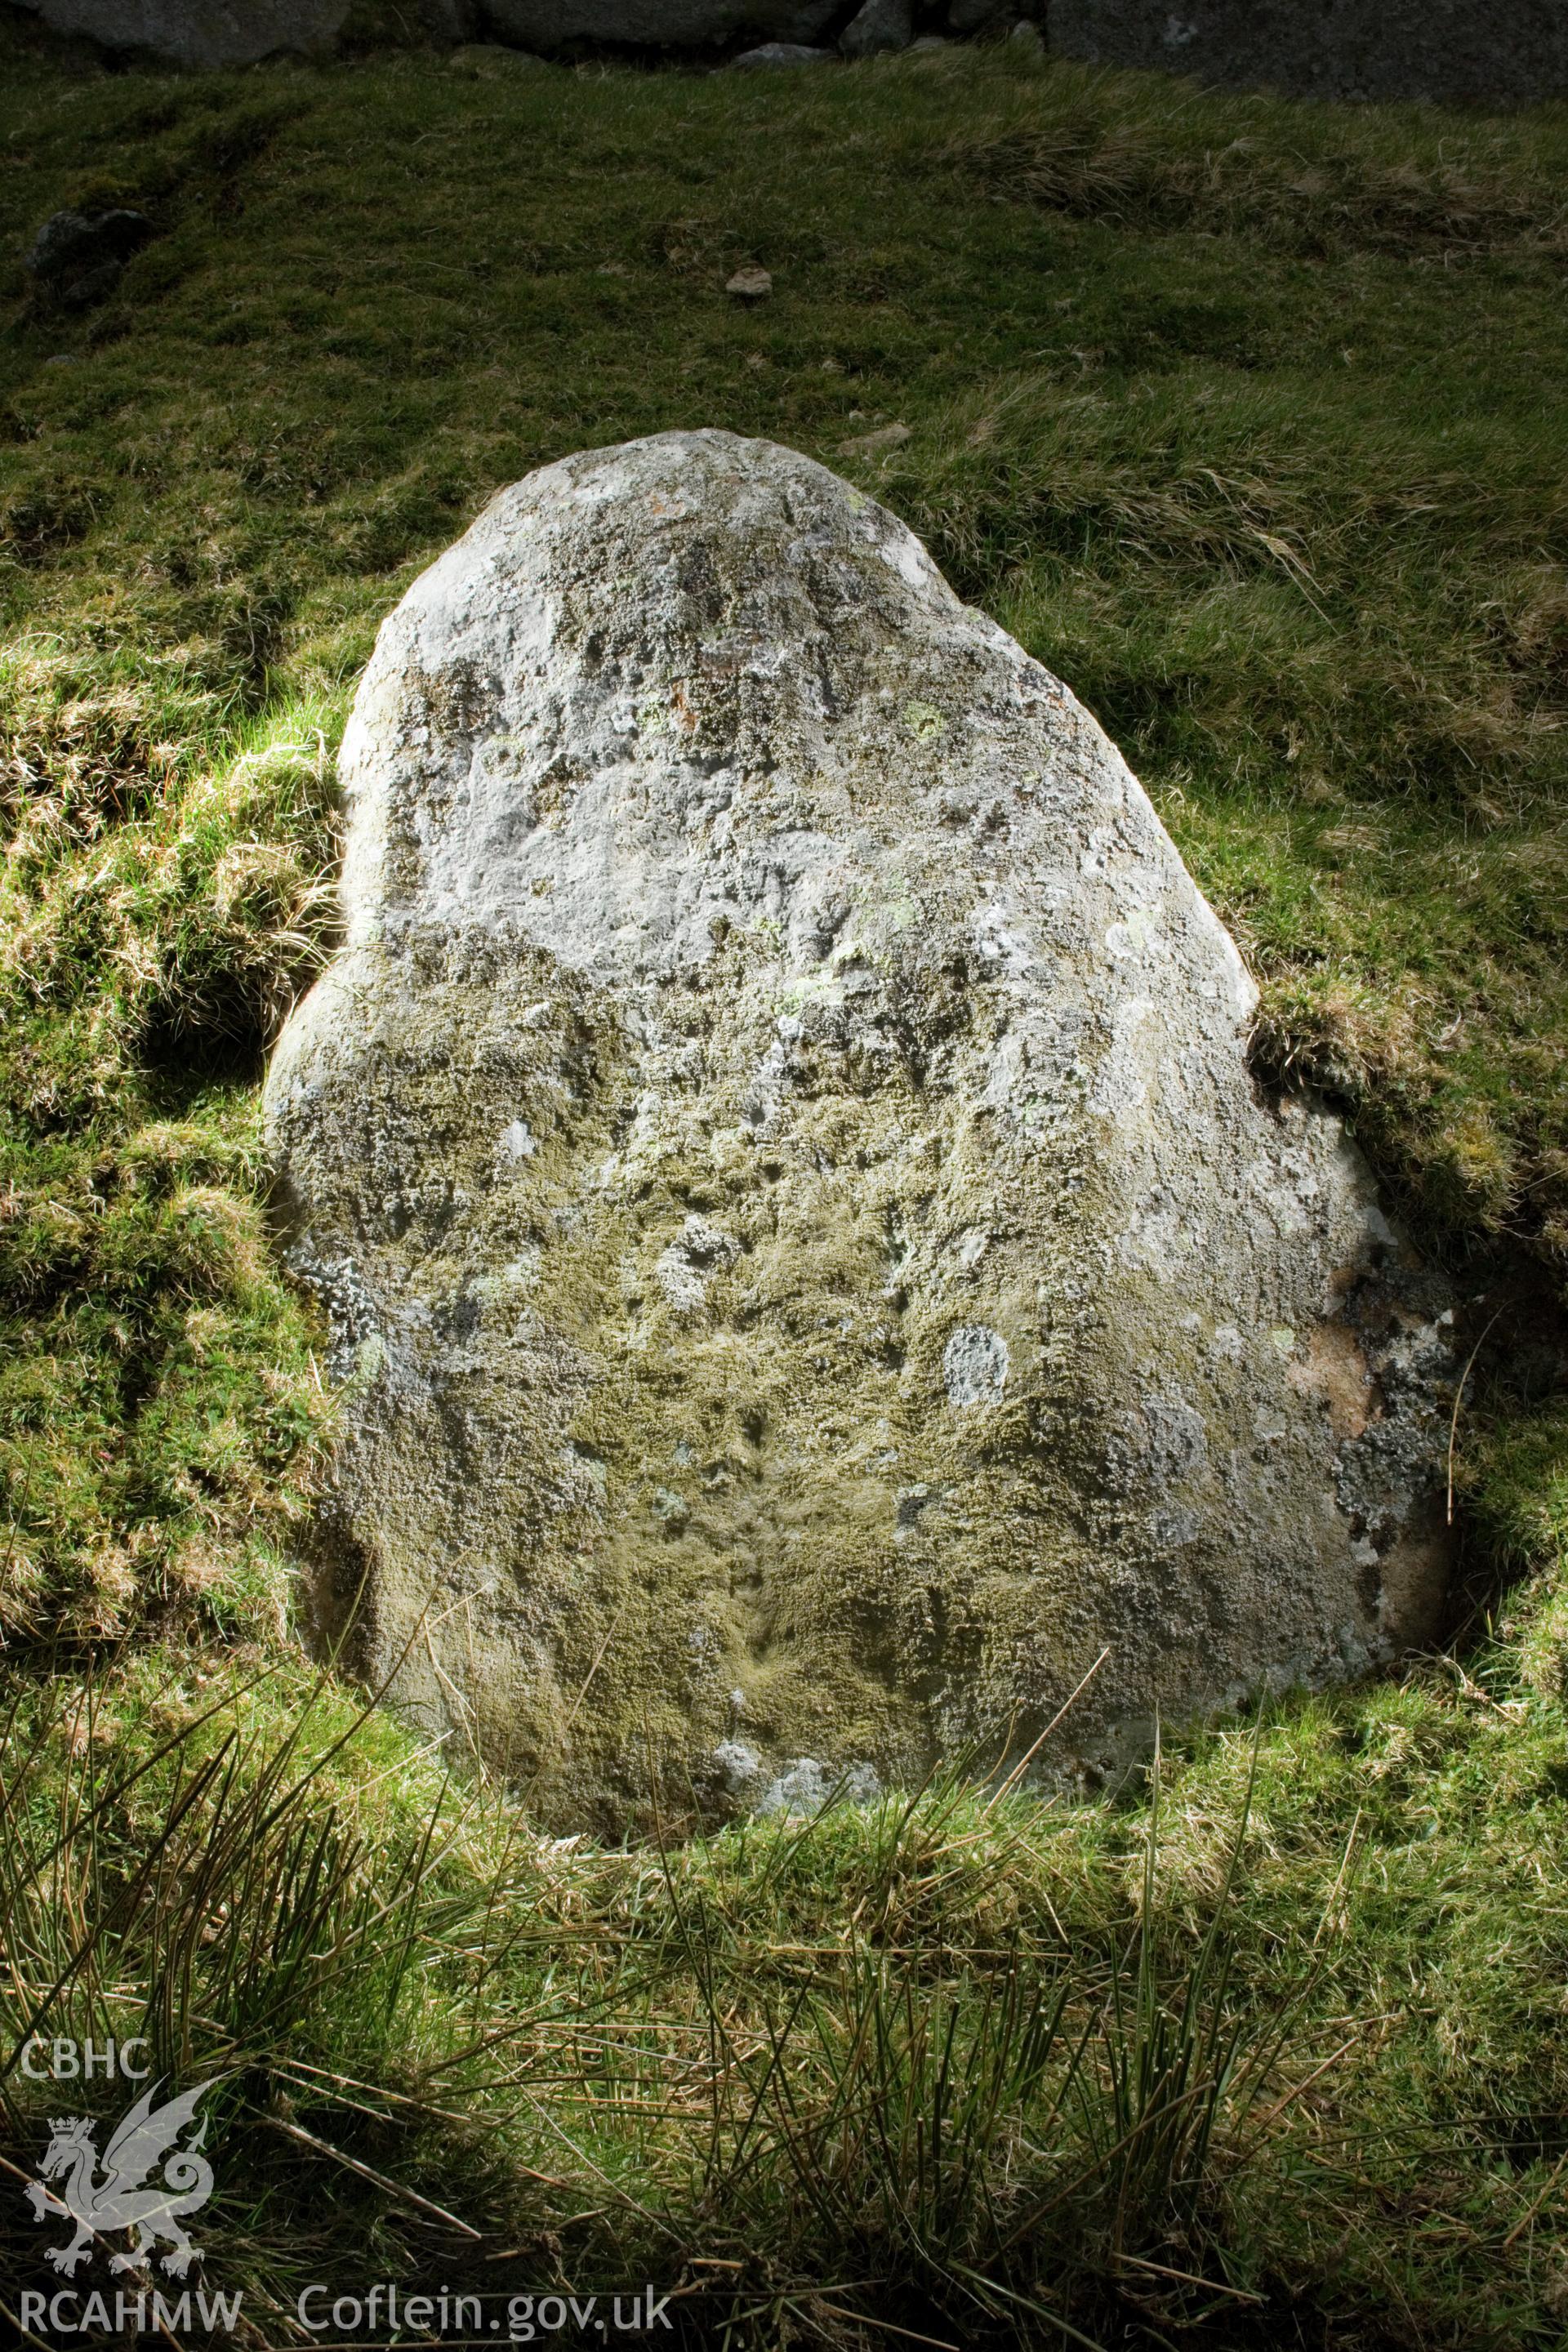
1239	415
1277	2060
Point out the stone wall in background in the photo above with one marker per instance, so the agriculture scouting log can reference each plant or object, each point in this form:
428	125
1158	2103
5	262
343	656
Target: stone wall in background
1499	53
203	32
552	26
214	33
223	32
1496	52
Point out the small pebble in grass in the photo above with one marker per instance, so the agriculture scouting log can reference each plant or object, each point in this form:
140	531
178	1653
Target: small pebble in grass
750	285
490	58
875	444
778	53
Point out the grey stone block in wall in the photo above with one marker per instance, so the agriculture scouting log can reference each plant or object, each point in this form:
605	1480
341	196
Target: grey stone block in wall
204	32
1457	52
219	33
978	16
880	25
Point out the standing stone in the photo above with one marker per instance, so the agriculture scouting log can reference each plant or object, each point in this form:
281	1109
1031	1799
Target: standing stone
808	1266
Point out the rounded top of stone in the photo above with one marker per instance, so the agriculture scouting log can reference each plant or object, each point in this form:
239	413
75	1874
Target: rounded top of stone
771	500
698	683
693	634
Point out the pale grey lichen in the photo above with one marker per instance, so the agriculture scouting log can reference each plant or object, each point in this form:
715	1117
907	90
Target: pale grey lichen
974	1365
804	1787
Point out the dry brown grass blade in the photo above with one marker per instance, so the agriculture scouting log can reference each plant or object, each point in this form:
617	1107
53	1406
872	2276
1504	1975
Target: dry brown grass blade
398	2188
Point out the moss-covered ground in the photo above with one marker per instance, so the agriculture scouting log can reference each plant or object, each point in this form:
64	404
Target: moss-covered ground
1246	419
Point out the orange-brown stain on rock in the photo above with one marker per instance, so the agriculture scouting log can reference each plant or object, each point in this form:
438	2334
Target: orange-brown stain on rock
1336	1371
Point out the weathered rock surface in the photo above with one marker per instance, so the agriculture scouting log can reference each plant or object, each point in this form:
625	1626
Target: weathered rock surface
977	16
807	1263
204	32
240	32
879	25
779	53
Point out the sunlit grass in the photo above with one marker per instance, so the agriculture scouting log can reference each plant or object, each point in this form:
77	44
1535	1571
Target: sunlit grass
1285	2043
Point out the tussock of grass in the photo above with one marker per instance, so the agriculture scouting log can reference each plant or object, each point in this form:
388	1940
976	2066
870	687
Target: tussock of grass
1358	746
1279	2060
1310	180
157	1396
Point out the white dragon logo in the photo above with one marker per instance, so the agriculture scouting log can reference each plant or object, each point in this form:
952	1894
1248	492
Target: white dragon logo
122	2198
